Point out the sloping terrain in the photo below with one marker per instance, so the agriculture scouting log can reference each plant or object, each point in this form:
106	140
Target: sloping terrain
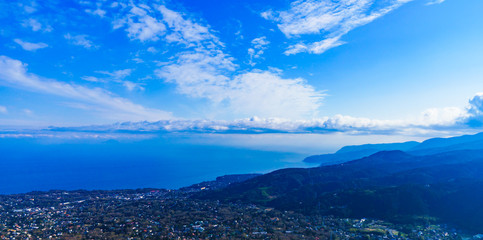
390	185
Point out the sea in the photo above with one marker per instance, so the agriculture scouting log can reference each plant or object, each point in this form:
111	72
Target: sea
30	165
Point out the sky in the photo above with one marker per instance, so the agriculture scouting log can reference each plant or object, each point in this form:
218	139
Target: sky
311	71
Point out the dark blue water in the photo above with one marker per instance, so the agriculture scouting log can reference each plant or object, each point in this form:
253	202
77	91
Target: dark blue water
30	165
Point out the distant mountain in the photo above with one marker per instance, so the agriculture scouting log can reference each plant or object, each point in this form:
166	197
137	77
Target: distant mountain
348	153
392	185
436	145
430	146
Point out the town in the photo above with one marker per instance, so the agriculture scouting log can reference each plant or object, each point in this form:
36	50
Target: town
173	214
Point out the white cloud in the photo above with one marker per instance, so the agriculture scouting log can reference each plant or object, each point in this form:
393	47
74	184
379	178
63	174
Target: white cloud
137	60
14	73
131	86
152	50
206	71
337	123
324	45
315	17
266	93
99	12
3	109
86	3
184	30
476	104
332	19
259	45
33	24
262	93
475	111
29	8
118	74
92	79
30	46
443	116
296	48
80	40
203	70
316	47
432	2
144	24
260	42
442	121
199	73
140	25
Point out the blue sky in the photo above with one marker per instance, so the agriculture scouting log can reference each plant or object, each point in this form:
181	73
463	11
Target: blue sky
374	67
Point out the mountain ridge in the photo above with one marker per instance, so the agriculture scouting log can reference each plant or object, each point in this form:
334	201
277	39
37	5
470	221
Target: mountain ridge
394	185
429	146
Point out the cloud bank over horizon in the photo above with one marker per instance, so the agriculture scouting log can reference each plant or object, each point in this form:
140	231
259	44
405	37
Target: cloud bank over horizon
449	121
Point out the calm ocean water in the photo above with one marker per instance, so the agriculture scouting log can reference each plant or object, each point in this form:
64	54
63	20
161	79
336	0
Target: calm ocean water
29	165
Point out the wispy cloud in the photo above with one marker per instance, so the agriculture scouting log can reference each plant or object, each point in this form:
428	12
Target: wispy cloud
199	73
432	2
29	8
315	47
131	86
32	24
99	12
331	19
259	45
184	30
30	46
14	74
152	50
92	79
140	25
35	25
3	109
80	40
117	76
266	93
145	23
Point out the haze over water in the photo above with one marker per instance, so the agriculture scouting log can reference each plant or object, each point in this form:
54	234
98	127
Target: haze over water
30	166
